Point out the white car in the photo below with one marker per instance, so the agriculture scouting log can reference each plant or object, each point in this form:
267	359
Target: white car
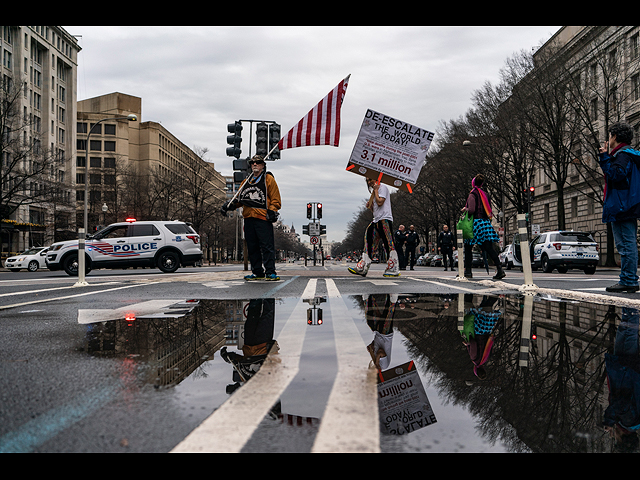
32	260
163	244
506	257
559	249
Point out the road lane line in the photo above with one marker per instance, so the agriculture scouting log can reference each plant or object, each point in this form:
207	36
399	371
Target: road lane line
229	427
43	300
52	289
466	289
350	421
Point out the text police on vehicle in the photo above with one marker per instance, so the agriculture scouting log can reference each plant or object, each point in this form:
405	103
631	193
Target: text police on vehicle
162	244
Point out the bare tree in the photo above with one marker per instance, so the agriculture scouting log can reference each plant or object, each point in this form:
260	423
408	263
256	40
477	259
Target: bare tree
25	165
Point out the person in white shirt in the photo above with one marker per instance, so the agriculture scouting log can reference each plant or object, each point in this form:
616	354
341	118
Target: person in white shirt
379	231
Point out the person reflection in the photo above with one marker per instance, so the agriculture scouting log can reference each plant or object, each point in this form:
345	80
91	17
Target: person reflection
379	310
478	333
622	416
258	341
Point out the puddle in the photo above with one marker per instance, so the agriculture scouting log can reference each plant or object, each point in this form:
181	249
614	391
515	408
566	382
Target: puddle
458	373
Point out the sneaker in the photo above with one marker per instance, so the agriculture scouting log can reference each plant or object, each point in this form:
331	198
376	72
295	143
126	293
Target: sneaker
252	277
272	277
392	265
362	267
622	288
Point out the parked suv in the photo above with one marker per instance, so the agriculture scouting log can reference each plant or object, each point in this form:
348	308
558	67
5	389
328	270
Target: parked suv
564	250
561	249
163	244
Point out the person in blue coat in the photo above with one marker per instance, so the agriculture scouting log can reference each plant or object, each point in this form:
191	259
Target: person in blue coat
619	163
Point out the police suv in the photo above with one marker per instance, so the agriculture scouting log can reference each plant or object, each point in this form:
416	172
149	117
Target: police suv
162	244
560	249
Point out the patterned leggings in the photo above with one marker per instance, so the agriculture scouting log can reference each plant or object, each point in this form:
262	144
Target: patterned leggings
379	232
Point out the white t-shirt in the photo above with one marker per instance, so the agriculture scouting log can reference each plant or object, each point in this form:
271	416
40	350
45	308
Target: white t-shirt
383	212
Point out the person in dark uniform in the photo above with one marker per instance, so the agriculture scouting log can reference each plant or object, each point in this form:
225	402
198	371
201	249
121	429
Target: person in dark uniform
412	242
446	246
399	238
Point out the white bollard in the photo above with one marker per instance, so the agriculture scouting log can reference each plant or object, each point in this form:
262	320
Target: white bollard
524	252
460	256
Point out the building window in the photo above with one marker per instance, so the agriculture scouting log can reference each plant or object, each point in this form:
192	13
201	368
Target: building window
109	146
109	129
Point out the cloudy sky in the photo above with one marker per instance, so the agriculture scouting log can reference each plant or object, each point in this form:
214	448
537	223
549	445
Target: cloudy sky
196	80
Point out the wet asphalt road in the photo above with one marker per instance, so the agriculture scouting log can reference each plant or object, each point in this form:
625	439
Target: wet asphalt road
56	396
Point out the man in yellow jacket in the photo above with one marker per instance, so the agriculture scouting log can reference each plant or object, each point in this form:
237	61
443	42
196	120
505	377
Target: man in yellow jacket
260	199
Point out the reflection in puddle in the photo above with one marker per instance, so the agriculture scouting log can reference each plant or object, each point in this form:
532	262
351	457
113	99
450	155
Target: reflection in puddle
456	373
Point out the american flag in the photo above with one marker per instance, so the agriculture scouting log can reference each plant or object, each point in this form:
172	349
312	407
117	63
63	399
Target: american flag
321	126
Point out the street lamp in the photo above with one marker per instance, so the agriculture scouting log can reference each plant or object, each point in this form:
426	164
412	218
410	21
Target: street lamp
82	231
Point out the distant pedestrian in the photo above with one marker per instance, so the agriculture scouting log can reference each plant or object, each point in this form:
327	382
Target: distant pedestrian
379	231
413	240
399	238
479	205
446	246
622	201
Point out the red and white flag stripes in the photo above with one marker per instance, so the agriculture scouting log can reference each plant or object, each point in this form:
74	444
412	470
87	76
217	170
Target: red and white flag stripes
321	126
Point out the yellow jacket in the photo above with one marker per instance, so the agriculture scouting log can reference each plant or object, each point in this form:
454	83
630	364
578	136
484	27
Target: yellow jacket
273	200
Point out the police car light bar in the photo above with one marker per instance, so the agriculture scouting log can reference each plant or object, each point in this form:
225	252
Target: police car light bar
130	220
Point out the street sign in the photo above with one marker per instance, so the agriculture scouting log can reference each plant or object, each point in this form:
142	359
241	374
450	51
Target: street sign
535	229
314	229
315	240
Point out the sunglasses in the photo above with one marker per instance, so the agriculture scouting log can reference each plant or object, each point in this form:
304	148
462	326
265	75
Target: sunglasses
253	162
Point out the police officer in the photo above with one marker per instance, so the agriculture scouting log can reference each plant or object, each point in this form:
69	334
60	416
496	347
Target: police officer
412	242
399	238
445	246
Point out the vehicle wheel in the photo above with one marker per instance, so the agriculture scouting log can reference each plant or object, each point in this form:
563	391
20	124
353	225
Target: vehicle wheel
509	265
544	262
70	265
14	269
590	270
563	269
168	262
33	266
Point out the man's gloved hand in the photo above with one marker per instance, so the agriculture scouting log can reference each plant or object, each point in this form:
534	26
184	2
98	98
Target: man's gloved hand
226	206
272	216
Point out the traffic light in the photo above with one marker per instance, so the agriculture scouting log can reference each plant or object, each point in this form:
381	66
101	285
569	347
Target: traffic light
323	229
235	139
242	170
309	210
262	132
319	211
532	193
274	138
305	229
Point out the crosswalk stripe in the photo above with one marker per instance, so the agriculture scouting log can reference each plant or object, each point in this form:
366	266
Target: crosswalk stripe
350	421
228	428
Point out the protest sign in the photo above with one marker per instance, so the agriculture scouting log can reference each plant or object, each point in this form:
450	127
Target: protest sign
403	405
389	150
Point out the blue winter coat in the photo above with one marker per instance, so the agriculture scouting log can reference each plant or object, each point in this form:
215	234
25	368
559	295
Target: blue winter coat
622	185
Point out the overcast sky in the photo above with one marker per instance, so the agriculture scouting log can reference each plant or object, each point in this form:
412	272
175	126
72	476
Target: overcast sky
196	80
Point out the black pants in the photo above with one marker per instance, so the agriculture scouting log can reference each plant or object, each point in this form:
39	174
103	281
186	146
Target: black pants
447	252
410	255
487	246
261	246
